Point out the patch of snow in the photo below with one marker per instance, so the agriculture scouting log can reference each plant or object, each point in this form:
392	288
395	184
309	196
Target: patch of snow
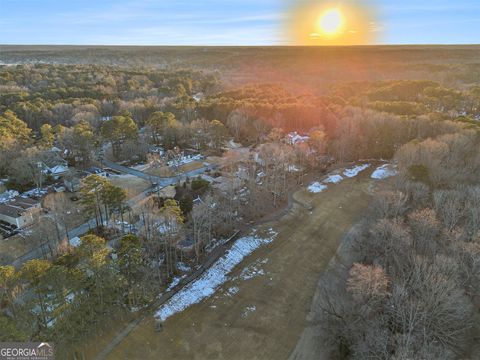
253	270
183	267
384	171
233	290
206	285
355	170
35	192
175	282
316	187
333	179
248	310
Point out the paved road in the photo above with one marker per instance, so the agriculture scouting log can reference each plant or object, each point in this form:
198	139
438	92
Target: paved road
161	181
84	228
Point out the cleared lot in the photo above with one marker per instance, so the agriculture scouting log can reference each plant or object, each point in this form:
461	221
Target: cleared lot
260	312
132	184
167	172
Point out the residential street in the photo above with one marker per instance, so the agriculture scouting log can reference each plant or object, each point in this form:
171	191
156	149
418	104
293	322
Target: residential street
85	227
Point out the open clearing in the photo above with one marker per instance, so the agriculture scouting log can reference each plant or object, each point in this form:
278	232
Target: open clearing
165	171
132	184
260	312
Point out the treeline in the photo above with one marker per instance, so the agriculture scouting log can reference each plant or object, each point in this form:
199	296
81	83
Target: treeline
411	289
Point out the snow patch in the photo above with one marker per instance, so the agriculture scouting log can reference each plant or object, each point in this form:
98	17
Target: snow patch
233	290
248	310
183	267
355	170
333	179
316	187
253	270
175	282
384	171
206	285
35	192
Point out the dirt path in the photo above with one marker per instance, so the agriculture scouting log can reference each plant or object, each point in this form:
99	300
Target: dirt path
261	317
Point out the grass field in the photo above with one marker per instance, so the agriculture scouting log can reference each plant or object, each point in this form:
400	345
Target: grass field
266	316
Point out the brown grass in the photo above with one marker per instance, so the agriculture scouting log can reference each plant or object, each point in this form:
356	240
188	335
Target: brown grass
219	327
132	184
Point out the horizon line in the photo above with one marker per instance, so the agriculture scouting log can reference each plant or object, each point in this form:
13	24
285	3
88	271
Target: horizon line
252	46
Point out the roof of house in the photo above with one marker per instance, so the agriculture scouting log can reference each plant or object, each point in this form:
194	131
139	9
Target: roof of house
59	169
53	161
16	207
24	202
11	211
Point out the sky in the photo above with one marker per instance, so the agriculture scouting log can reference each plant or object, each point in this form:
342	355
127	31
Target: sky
221	22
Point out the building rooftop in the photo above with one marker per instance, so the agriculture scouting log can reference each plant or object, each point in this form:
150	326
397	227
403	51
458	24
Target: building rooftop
16	207
11	211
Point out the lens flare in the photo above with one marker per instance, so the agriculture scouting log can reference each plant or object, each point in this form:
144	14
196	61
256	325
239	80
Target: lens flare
328	23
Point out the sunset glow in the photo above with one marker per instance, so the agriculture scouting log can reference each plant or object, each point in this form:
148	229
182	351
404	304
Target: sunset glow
326	23
330	22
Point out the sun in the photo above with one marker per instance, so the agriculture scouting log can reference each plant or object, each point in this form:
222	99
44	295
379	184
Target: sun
330	22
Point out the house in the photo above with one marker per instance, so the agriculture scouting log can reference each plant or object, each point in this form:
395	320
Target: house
20	212
55	166
72	180
58	170
72	183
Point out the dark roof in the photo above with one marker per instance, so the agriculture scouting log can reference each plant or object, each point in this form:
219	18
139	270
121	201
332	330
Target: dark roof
23	202
16	207
11	211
